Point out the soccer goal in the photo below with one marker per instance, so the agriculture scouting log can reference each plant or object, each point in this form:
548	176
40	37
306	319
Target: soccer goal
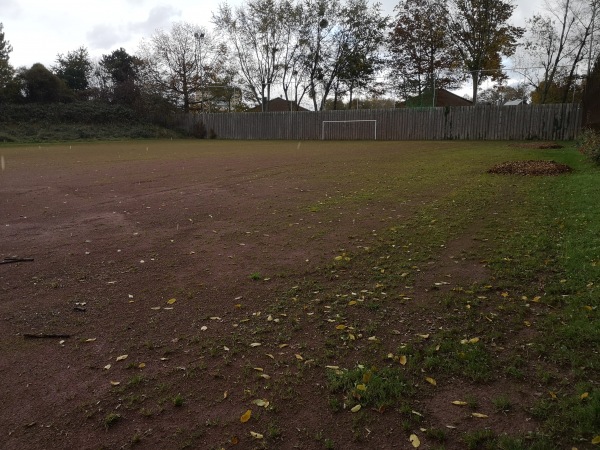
349	129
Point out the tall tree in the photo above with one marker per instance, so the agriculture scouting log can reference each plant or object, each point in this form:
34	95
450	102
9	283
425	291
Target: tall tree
181	62
421	52
121	75
342	45
40	85
6	70
482	35
75	68
556	42
255	31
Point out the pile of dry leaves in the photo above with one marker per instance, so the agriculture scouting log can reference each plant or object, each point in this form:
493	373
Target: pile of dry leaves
531	167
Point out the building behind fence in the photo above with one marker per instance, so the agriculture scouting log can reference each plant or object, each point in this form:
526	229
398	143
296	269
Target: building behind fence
482	122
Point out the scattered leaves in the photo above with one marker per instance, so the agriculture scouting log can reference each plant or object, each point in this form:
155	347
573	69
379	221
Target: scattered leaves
356	408
431	381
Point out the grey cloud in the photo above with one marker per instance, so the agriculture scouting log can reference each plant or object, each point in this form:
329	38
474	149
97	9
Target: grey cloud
103	37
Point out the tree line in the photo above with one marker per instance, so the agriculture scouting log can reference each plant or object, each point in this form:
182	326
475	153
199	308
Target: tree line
323	52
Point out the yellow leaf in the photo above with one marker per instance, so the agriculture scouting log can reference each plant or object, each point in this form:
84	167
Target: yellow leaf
459	403
356	408
171	301
299	357
424	336
141	365
115	383
283	345
474	340
536	299
265	376
352	303
270	356
367	376
361	387
414	440
431	381
260	369
589	308
552	395
338	258
596	440
479	415
340	327
527	323
246	416
122	357
584	395
225	394
402	360
255	344
333	367
256	435
504	294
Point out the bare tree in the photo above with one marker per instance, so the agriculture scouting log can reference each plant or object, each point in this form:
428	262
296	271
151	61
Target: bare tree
180	63
255	33
557	41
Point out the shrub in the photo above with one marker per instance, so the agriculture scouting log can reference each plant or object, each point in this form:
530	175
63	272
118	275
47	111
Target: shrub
589	144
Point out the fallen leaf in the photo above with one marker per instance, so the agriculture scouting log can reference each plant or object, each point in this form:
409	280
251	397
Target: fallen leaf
256	435
171	301
115	383
536	299
431	381
367	376
299	357
352	303
504	294
225	394
596	440
270	356
203	328
459	403
246	416
155	308
261	402
235	440
479	415
414	440
90	340
260	369
122	357
584	395
474	340
255	344
402	360
340	327
283	345
356	408
424	336
361	387
265	376
141	365
108	366
332	367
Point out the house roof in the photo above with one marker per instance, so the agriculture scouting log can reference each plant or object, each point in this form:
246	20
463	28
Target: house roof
443	98
279	104
516	102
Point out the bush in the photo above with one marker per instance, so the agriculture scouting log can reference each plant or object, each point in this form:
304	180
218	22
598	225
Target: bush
589	144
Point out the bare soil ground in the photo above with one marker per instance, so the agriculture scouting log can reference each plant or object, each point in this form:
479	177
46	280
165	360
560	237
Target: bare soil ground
174	285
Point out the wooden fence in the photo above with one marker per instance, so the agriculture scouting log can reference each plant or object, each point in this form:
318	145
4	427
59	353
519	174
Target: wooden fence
544	122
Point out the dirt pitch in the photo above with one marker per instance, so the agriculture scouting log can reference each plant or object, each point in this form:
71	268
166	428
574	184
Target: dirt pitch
158	269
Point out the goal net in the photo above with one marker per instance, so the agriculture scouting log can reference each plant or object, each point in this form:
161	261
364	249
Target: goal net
349	129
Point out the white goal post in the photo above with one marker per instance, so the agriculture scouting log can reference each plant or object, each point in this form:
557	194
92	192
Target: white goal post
327	122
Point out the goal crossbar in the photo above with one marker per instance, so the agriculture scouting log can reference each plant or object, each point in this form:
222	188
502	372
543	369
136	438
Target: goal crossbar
346	121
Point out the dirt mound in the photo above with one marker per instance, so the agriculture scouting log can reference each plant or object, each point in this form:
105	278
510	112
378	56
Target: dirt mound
538	145
531	167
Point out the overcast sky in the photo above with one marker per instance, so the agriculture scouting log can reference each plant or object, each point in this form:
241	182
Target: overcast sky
38	30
